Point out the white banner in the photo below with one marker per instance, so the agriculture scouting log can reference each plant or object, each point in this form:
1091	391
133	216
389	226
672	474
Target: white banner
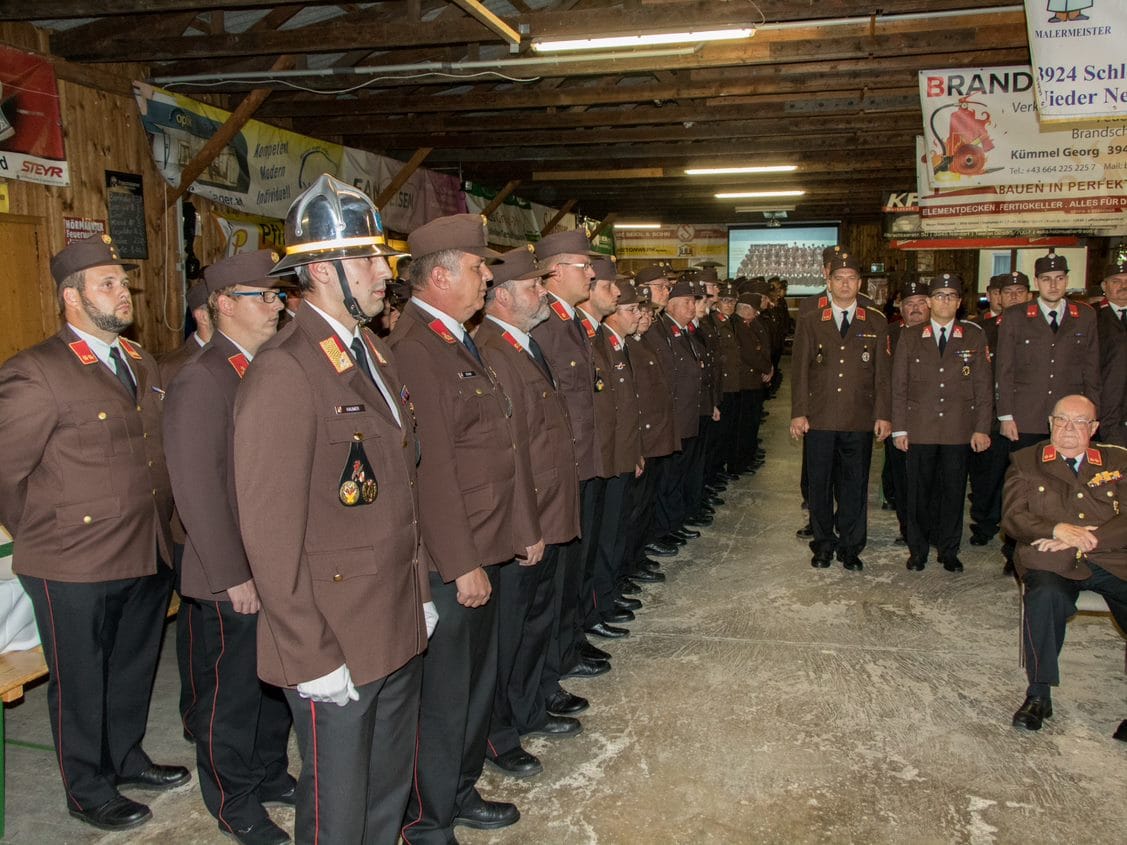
422	198
1078	54
515	222
981	128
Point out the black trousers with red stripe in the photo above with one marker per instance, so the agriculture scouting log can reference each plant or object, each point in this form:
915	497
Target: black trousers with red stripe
101	641
610	547
356	761
241	725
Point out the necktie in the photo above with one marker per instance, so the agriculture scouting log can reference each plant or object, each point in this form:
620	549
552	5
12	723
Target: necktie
471	346
357	347
844	323
577	323
1053	324
626	355
1073	464
942	340
1123	316
538	357
122	372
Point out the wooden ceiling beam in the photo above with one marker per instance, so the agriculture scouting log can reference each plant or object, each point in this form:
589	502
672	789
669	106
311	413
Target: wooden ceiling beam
564	210
501	196
400	178
68	40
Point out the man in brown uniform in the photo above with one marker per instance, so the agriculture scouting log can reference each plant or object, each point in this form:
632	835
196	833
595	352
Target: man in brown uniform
526	601
478	510
841	399
754	372
196	301
241	726
331	532
1064	507
1112	326
724	319
85	494
942	402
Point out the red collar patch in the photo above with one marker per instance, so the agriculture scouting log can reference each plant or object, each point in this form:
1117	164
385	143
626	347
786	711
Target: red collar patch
1095	458
372	348
512	341
559	310
439	328
827	314
673	330
823	301
860	314
692	328
1031	310
82	351
1073	310
1048	454
587	327
615	343
957	331
239	362
131	349
927	331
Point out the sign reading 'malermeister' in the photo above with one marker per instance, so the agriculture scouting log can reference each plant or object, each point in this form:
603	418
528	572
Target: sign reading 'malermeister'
1079	60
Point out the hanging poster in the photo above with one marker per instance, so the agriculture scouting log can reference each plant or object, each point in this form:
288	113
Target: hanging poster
31	128
125	206
423	197
682	241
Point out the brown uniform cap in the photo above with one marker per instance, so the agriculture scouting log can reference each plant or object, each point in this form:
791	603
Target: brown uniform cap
830	251
517	264
709	275
243	268
564	243
1050	263
627	293
94	251
915	287
463	232
686	287
755	300
196	297
843	261
945	280
605	269
1004	280
728	290
1116	268
649	274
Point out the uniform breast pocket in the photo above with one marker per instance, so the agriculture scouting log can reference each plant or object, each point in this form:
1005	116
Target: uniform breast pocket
349	428
102	430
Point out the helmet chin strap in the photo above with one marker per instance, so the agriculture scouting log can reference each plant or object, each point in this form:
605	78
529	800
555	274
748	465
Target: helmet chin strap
349	300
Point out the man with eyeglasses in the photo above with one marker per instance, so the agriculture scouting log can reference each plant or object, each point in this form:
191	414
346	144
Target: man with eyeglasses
988	468
1064	507
1112	324
241	727
1047	349
84	492
942	403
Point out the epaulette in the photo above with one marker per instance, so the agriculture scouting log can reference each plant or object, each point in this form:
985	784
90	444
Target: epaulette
971	323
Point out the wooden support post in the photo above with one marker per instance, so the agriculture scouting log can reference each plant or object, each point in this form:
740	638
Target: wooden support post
495	203
602	227
400	178
551	224
224	134
479	12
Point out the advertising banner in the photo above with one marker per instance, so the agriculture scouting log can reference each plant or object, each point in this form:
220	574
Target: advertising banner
1078	58
423	197
981	128
683	241
516	222
31	128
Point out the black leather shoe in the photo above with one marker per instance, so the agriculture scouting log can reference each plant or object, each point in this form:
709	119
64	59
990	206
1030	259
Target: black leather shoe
687	533
156	777
952	563
900	541
715	501
698	521
1033	711
608	632
644	576
281	799
821	561
119	813
517	763
1121	732
674	538
853	563
587	669
620	617
488	815
563	703
557	726
648	565
915	564
629	587
979	539
1008	567
592	652
262	833
660	549
706	509
805	532
623	603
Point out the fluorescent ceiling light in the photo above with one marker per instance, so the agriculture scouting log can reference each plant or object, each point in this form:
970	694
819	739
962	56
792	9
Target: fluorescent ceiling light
721	171
747	195
647	40
637	225
765	208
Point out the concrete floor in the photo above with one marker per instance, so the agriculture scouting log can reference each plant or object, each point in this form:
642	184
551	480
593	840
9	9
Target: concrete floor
761	701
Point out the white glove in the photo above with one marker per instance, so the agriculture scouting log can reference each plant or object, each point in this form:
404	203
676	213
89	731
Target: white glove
430	614
336	687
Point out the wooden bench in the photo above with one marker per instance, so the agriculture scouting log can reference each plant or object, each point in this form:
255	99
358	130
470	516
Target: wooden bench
17	670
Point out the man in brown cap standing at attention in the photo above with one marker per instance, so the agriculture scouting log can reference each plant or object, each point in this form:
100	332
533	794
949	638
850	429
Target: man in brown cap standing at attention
477	510
85	494
1112	325
331	532
241	726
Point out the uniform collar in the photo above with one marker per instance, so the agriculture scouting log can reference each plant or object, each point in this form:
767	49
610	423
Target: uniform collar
521	337
456	328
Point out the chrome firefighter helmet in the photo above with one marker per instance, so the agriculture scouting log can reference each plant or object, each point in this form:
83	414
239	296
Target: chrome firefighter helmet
331	220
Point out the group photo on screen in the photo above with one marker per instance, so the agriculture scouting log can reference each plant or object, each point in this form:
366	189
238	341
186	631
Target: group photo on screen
792	252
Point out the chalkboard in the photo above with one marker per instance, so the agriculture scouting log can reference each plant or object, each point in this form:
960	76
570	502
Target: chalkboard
125	204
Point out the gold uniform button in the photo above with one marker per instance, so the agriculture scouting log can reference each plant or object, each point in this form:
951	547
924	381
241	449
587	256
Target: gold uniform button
1041	488
571	363
154	491
1079	495
87	519
1081	514
478	391
150	463
138	407
357	436
145	435
102	415
338	577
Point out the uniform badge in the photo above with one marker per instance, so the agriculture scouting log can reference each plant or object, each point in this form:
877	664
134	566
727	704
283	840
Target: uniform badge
587	327
1073	310
375	352
239	363
131	349
83	352
1031	310
559	310
827	315
819	358
334	351
439	328
600	385
966	370
865	356
358	481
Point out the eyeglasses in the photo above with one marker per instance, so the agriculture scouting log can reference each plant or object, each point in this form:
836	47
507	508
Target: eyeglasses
584	265
1066	422
945	297
268	296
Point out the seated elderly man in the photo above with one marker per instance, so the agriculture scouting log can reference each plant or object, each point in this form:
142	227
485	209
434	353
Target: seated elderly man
1062	505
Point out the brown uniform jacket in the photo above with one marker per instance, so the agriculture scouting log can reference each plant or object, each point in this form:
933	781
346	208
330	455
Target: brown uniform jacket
818	303
84	490
686	379
841	383
944	399
570	357
475	485
170	364
540	409
754	352
655	397
1113	375
604	394
199	444
708	331
339	585
627	406
1034	368
729	353
1041	491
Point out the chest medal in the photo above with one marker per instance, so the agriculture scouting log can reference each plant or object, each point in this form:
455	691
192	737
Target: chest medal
358	481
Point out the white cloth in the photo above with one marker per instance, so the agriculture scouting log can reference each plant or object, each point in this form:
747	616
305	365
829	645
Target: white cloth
336	687
430	614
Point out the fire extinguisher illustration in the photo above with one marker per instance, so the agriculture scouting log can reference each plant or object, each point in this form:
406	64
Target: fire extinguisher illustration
967	143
